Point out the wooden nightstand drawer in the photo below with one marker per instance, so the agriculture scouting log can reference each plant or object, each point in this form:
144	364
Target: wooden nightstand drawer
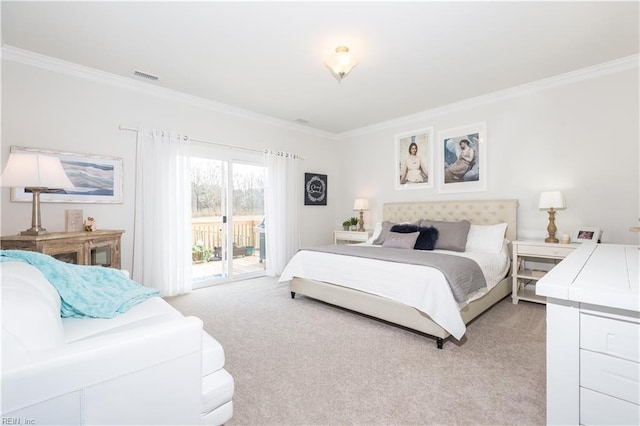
351	236
547	251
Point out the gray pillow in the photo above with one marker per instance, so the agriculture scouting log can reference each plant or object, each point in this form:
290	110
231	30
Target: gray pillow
386	227
401	240
451	235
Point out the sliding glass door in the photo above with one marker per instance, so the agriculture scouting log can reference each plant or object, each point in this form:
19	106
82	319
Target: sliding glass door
227	205
208	214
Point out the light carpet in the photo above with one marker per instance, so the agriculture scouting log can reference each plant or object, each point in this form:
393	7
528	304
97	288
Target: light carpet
299	361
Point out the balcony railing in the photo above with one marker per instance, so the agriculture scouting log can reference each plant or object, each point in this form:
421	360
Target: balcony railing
206	232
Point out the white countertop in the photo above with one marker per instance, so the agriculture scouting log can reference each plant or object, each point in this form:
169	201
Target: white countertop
600	274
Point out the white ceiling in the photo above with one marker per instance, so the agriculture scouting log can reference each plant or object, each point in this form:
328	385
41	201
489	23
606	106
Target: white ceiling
267	57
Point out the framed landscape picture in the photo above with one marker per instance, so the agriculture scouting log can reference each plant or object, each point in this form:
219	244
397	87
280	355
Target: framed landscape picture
414	160
97	179
463	159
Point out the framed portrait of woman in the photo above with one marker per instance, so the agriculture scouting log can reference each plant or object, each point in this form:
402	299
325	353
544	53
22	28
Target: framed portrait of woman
414	160
463	158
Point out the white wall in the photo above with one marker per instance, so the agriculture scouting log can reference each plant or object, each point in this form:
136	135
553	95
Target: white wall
580	137
52	110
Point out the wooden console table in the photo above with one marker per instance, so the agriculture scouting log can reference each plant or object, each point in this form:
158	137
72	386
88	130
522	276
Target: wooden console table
101	247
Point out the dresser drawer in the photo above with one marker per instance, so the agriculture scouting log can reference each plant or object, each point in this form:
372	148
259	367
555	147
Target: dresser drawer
544	251
610	336
610	375
600	409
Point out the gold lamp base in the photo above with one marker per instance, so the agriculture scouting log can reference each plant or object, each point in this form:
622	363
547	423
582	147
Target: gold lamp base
551	228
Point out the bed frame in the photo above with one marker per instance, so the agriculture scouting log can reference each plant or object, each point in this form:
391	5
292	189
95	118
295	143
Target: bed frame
479	212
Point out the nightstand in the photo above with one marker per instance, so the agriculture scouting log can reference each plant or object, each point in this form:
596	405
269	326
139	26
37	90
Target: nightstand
524	279
346	237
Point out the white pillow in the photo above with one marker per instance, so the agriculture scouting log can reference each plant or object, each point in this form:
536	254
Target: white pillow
486	238
376	232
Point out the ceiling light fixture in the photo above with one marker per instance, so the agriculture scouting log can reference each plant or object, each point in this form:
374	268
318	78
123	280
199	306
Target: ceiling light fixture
340	63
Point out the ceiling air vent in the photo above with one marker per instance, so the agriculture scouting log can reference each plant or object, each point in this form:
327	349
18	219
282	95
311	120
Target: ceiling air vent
145	76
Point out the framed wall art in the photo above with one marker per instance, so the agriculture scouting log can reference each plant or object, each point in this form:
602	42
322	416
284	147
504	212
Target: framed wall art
584	234
463	159
315	189
97	179
413	167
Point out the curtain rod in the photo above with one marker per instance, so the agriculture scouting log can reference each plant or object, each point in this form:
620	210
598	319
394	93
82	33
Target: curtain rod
135	129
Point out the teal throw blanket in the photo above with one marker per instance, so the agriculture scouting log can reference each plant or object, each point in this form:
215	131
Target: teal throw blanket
85	291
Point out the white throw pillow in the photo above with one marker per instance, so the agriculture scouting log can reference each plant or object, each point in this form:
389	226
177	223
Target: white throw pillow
376	233
486	238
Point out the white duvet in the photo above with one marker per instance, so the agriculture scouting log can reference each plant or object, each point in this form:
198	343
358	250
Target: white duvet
421	287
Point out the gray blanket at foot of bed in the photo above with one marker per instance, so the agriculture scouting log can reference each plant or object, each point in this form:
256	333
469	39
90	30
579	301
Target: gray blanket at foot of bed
463	274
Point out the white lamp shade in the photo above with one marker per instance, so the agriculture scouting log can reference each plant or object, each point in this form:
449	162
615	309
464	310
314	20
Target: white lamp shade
34	171
341	62
361	204
553	199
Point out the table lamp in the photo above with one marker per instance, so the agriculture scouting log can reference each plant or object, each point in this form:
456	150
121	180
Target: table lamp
551	200
361	204
36	173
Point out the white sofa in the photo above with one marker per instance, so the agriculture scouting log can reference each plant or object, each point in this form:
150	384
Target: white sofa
150	365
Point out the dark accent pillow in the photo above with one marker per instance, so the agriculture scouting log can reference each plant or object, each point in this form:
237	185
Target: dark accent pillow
427	238
386	227
405	228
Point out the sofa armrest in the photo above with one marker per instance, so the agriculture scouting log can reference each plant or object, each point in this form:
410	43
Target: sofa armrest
91	362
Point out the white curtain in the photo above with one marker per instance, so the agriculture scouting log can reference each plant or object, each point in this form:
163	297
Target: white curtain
162	226
281	210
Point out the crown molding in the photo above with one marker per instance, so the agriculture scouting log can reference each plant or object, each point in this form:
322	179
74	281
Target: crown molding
599	70
69	68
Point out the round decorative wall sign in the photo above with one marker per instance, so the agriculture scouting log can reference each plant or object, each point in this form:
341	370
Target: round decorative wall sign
315	189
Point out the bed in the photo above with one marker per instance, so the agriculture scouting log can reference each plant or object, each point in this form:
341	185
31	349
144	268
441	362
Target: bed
336	289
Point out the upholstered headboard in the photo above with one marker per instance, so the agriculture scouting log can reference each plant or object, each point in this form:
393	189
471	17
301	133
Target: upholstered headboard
479	212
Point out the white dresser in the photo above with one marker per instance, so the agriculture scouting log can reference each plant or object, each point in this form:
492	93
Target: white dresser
593	336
